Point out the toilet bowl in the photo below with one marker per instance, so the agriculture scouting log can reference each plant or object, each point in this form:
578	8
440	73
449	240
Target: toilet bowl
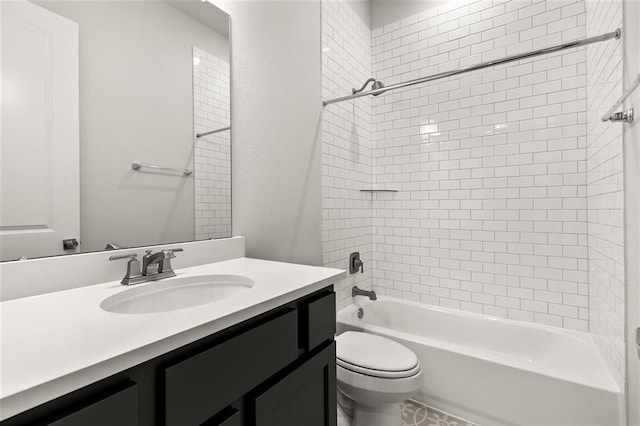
375	374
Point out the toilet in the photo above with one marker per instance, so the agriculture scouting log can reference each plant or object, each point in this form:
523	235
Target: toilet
374	375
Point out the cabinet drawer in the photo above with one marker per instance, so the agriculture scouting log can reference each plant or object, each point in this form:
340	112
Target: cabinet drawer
120	408
319	320
201	386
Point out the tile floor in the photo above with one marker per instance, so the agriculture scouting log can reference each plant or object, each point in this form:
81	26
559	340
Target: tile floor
416	414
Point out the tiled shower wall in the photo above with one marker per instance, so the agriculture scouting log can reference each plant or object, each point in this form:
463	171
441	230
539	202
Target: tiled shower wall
490	166
605	189
346	145
212	156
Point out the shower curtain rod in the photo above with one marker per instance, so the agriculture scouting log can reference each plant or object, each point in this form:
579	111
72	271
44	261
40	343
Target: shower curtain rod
616	34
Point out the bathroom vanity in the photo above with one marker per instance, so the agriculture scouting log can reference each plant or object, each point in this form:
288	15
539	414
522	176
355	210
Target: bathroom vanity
266	357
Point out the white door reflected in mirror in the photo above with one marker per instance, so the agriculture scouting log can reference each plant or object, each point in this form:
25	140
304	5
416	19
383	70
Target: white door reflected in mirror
40	142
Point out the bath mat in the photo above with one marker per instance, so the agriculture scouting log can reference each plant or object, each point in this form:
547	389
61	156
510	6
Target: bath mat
417	414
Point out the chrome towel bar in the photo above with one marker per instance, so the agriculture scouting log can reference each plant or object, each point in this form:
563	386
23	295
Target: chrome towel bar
137	166
199	135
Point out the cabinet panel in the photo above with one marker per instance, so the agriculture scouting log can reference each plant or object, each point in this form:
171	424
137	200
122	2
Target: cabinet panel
227	417
307	396
200	386
120	408
320	321
234	420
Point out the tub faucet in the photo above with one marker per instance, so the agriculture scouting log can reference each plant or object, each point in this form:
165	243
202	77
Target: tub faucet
355	291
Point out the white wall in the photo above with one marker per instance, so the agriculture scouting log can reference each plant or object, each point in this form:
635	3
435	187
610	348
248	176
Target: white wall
362	8
631	64
346	145
276	122
385	12
490	166
605	189
126	61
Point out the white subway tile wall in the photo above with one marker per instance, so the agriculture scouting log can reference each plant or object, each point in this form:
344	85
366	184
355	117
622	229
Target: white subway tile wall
605	189
346	145
212	156
509	187
490	166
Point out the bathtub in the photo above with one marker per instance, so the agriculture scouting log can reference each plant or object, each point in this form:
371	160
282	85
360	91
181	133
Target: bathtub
495	371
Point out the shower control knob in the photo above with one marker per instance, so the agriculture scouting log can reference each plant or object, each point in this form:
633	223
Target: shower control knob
355	263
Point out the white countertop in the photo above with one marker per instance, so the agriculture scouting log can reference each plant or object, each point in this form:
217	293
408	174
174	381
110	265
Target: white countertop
54	343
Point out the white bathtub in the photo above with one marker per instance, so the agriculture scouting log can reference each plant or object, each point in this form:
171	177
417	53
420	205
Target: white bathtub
495	371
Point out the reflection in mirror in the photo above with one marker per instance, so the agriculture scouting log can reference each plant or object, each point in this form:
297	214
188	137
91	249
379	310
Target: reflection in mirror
88	89
213	149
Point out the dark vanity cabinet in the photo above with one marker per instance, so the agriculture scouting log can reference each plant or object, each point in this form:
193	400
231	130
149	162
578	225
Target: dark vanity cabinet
276	369
305	396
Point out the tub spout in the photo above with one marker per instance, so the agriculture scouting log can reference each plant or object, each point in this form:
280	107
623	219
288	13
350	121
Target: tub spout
355	291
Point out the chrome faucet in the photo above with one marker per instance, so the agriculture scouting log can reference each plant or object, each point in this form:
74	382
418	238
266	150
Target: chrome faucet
152	262
159	264
155	266
355	291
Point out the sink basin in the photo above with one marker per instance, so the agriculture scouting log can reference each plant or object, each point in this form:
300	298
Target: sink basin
176	293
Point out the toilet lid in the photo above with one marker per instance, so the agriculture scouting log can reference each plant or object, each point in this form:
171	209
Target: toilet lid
375	355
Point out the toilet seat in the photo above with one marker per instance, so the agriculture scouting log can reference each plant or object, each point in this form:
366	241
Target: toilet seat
375	356
383	374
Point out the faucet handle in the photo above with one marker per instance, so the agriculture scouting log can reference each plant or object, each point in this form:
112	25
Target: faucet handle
132	256
133	267
165	265
170	253
355	263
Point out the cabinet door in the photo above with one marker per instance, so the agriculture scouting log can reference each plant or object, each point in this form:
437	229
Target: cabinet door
120	409
198	387
233	420
307	396
228	417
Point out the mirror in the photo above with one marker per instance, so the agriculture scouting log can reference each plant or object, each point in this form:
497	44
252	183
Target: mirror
116	125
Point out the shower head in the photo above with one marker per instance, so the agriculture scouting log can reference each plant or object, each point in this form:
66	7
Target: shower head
377	84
